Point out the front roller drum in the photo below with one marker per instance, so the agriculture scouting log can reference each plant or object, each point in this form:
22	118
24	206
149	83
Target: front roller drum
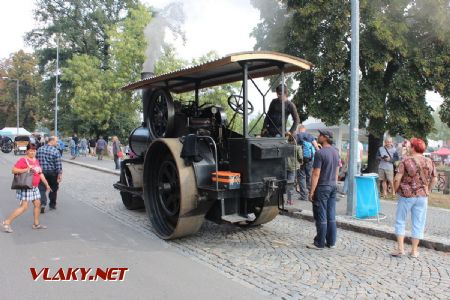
264	212
170	191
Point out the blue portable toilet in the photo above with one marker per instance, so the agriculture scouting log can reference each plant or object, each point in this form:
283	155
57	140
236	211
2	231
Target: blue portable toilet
367	198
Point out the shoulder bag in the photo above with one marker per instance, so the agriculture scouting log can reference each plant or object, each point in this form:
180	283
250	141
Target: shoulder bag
23	181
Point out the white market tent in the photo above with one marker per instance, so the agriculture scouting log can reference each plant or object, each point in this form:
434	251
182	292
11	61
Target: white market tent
12	131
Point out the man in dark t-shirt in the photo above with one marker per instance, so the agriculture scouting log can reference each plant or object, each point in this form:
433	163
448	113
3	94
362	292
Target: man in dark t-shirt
323	191
273	121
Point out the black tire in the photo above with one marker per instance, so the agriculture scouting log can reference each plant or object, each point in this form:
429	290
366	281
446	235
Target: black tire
131	202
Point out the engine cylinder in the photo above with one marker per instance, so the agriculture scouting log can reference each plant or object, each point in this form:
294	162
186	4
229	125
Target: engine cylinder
139	140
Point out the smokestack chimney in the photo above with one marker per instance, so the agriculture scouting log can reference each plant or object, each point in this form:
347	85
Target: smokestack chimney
145	75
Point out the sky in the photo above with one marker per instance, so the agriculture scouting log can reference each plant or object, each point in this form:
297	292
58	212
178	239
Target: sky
223	26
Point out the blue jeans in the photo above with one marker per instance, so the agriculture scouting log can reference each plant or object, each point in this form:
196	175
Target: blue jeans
418	208
324	212
304	179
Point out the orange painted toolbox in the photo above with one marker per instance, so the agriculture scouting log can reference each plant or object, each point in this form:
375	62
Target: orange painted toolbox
227	180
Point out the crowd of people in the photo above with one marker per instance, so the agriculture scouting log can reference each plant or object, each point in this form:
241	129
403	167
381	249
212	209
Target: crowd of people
43	160
315	166
405	174
98	148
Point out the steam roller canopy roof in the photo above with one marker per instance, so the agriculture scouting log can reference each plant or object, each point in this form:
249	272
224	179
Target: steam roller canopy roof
223	70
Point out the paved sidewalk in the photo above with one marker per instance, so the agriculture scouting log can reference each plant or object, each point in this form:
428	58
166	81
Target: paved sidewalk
437	231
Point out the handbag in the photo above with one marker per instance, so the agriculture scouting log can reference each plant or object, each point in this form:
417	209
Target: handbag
120	154
23	181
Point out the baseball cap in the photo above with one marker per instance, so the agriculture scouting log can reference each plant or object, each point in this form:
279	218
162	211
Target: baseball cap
326	133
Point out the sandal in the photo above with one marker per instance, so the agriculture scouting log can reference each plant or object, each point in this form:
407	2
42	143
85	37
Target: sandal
416	255
397	253
39	226
6	227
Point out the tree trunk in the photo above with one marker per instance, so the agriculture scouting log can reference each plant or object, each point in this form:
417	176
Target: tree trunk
374	144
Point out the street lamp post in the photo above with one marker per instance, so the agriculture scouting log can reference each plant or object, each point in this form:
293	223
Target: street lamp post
17	104
56	87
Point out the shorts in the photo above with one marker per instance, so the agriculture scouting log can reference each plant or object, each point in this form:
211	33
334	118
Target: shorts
28	194
384	175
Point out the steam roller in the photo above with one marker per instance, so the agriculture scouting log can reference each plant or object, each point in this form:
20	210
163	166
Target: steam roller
191	163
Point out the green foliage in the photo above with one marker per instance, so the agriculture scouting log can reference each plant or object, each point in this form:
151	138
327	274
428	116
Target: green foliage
396	65
256	124
169	62
21	66
97	102
441	130
81	27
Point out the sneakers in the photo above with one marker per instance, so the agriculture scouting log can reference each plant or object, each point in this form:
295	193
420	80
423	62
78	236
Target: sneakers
313	246
42	209
6	227
38	226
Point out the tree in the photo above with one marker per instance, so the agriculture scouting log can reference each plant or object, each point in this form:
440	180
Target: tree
97	101
80	27
404	49
21	66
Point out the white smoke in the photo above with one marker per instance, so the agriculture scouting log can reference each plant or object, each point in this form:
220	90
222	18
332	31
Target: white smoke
170	18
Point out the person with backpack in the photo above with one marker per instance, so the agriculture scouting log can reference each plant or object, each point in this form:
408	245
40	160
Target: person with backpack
309	146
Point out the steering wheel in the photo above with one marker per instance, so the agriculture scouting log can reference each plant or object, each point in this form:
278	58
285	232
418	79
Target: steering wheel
236	102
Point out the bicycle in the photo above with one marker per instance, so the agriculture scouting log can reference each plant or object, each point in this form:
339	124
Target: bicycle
440	184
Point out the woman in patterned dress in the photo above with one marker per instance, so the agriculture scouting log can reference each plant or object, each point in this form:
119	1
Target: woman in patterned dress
25	196
416	176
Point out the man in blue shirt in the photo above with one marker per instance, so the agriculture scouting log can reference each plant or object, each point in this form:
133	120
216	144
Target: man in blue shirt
50	161
323	191
304	172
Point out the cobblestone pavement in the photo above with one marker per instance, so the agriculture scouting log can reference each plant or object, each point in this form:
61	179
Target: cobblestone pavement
273	258
438	224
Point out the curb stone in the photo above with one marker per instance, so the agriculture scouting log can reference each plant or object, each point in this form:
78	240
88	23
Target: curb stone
343	222
114	172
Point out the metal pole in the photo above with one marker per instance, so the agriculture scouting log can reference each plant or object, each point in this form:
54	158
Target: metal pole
17	92
283	113
57	87
354	108
245	94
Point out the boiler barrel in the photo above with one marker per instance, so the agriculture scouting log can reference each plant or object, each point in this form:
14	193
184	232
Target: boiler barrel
139	140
